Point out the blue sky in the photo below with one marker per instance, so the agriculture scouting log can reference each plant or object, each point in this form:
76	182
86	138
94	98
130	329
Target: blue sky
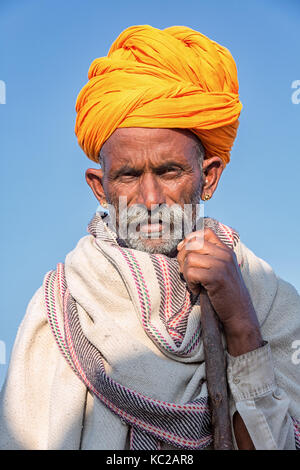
46	49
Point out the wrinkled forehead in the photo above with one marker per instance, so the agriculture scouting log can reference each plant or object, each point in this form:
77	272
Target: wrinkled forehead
136	144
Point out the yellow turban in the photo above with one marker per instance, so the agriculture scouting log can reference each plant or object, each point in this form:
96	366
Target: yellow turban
171	78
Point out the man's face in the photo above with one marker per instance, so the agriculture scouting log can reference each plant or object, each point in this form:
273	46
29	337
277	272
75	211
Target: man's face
152	168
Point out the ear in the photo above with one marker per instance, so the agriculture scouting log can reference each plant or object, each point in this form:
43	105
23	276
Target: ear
94	178
212	169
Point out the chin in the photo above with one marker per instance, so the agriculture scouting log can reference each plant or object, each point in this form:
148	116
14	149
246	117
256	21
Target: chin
164	247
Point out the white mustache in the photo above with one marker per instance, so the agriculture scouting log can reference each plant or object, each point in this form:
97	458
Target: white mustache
138	214
169	224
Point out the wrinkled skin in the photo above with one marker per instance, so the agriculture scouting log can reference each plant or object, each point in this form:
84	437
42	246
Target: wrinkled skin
160	166
151	166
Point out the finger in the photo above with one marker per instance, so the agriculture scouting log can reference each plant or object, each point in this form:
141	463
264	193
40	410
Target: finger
201	236
195	259
195	277
196	249
204	270
198	261
209	249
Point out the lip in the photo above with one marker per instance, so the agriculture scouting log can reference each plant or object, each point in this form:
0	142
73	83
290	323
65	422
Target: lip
151	228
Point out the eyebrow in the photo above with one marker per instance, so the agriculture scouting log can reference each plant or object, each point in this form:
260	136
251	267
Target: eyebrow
136	171
170	163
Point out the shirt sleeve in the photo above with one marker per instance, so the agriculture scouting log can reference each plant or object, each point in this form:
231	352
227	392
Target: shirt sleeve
262	405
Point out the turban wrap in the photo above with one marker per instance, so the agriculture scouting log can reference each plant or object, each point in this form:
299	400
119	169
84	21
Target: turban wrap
171	78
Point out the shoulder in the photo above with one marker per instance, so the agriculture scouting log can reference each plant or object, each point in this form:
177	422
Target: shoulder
259	277
270	294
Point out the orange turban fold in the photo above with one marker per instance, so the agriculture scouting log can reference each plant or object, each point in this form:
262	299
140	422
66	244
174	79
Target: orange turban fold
171	78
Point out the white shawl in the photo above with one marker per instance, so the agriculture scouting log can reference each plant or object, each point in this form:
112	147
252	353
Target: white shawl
45	405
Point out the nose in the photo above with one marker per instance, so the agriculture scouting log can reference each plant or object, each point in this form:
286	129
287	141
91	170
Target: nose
150	191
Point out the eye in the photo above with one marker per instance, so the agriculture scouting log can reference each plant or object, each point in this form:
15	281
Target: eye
128	176
171	172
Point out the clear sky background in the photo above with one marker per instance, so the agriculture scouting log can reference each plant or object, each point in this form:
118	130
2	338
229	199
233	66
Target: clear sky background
46	49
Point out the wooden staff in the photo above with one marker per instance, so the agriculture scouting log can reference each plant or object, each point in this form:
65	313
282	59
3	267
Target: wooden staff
215	366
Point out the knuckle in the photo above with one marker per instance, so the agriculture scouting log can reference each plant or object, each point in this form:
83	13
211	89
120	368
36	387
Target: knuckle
190	274
190	258
179	258
193	244
208	232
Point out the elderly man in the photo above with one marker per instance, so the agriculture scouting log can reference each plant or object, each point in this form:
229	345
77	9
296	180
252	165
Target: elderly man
110	353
